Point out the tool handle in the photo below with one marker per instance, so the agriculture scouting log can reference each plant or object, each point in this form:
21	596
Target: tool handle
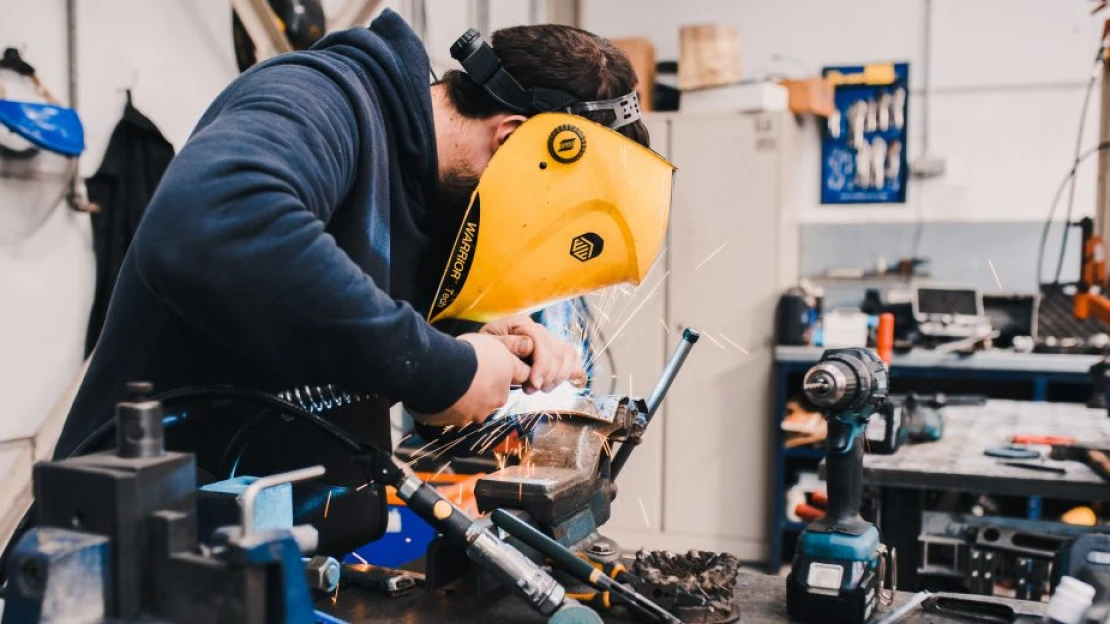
844	470
689	338
1099	462
565	559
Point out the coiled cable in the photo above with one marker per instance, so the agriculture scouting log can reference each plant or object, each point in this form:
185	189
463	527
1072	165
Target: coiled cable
319	399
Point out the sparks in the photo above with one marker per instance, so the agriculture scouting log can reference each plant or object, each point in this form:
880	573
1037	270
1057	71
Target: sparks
362	487
713	340
605	446
994	273
710	256
665	327
643	510
620	329
335	596
327	505
730	341
359	557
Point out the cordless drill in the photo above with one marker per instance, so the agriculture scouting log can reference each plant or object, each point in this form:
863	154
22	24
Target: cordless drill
837	565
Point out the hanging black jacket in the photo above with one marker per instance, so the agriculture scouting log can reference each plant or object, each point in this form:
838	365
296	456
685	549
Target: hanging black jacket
133	164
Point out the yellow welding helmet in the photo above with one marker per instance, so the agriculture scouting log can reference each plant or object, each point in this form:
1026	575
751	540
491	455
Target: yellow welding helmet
565	207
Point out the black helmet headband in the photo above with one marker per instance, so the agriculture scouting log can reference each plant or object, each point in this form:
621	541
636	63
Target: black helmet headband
482	64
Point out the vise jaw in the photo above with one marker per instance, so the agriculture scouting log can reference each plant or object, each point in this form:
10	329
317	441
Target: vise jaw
563	480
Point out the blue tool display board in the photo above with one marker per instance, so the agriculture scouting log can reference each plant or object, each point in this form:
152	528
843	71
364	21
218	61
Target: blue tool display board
863	147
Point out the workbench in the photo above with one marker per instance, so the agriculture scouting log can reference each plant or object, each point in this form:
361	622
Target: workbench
762	600
956	463
996	373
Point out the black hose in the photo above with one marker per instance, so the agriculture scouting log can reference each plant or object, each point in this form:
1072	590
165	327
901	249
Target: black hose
1056	200
1078	145
237	446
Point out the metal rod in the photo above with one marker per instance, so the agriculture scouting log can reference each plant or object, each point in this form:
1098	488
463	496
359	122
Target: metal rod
689	337
901	612
247	498
578	567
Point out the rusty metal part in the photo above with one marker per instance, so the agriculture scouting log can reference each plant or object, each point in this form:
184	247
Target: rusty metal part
565	467
697	586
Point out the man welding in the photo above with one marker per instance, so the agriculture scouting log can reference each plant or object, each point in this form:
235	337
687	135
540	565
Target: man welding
302	233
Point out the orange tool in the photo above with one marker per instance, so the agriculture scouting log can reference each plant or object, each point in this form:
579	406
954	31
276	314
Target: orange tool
809	513
884	337
1049	440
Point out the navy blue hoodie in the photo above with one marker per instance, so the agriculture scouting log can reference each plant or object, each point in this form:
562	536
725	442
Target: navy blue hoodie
289	240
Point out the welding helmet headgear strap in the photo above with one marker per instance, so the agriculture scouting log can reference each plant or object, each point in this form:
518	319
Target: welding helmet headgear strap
625	109
484	67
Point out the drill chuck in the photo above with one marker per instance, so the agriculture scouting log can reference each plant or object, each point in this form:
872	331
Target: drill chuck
846	379
827	385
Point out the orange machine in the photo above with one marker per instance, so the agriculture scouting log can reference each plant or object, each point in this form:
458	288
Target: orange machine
1090	298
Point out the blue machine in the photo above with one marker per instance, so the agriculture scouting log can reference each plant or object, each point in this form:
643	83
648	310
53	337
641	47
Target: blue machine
116	540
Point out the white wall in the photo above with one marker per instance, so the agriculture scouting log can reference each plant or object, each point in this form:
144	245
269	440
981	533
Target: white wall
1009	78
177	55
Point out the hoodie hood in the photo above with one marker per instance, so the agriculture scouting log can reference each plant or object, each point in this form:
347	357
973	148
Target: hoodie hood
397	64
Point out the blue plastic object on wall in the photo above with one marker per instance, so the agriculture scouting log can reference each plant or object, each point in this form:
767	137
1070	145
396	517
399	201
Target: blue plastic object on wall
863	147
50	127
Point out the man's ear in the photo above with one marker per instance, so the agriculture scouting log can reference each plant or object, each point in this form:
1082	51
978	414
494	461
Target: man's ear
505	127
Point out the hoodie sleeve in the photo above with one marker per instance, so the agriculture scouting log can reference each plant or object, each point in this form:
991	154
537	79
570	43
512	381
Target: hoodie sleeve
234	241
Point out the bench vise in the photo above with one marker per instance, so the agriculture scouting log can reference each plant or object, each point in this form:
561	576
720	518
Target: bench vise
564	483
564	478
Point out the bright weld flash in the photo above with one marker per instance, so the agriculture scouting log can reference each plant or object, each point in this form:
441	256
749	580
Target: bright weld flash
521	403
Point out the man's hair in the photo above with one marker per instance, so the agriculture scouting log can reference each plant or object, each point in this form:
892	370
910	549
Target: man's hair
556	57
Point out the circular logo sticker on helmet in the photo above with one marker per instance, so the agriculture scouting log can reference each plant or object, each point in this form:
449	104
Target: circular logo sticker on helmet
566	144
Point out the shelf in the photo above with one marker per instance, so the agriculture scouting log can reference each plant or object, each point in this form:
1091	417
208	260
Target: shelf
805	451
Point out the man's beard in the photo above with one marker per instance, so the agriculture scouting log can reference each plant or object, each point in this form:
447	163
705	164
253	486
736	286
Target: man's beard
455	189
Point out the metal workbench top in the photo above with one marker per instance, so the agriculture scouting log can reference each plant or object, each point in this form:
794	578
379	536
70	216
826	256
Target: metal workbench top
762	601
957	462
994	360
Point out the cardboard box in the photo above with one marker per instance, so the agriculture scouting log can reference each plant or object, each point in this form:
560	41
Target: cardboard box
813	96
709	56
641	52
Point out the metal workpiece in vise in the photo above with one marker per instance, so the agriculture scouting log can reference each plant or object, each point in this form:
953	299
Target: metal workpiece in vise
839	562
116	540
564	484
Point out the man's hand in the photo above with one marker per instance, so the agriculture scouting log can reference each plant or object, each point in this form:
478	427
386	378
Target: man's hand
553	361
497	370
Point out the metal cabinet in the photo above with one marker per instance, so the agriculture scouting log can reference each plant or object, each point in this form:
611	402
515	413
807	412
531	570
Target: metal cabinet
701	478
